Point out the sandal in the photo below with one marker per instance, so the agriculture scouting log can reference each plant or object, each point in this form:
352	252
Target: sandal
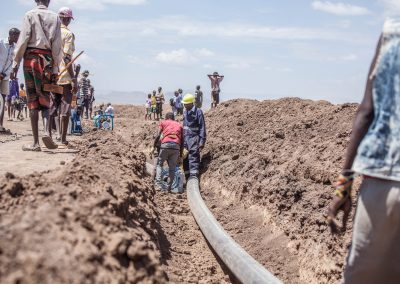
49	143
31	148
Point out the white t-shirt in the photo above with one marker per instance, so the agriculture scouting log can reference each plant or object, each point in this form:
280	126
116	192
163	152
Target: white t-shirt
109	110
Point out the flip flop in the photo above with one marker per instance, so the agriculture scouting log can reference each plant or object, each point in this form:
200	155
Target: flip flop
49	143
31	148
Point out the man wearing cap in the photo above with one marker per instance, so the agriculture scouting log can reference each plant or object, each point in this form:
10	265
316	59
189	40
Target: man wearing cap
194	133
68	80
84	87
6	56
40	46
216	79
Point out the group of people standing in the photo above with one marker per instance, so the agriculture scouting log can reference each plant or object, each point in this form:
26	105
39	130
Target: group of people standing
156	100
46	46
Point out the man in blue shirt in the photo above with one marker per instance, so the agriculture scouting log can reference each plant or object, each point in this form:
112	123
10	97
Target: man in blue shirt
194	133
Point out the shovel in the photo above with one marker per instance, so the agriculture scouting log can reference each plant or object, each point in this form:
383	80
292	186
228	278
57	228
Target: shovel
54	88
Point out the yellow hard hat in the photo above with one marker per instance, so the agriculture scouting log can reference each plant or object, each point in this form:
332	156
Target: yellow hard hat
188	99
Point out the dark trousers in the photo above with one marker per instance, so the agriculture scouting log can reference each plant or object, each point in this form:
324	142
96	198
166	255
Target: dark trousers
191	164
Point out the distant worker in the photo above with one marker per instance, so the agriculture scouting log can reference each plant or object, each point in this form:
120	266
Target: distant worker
199	97
40	46
178	102
91	101
194	133
7	47
109	110
61	106
84	87
171	137
147	107
12	97
160	101
154	105
374	153
22	97
216	79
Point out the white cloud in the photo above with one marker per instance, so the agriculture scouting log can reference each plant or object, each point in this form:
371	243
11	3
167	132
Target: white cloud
238	65
96	5
392	7
179	57
340	9
204	52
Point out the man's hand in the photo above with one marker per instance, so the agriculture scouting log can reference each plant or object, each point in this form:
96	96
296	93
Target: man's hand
54	78
2	77
341	201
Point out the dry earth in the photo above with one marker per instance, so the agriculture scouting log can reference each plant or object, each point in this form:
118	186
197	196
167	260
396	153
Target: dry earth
267	173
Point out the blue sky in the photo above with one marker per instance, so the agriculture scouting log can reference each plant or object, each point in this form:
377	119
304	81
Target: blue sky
266	49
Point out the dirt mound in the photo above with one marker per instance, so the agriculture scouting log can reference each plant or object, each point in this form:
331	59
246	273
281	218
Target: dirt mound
281	157
93	221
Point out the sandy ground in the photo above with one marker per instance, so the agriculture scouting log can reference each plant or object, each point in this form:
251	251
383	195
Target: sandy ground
14	160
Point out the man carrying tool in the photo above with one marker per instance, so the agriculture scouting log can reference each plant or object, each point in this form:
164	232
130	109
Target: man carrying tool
374	153
6	57
170	135
62	102
216	79
40	46
194	133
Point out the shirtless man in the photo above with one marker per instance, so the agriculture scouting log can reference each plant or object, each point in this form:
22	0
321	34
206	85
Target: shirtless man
216	79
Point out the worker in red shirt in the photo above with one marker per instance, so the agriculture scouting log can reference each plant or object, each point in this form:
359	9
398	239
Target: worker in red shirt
170	136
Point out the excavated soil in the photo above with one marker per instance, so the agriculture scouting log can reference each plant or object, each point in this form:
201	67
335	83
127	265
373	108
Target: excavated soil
99	220
94	221
267	174
273	164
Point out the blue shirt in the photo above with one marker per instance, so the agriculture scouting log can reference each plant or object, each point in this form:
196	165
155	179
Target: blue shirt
194	125
178	101
379	152
14	89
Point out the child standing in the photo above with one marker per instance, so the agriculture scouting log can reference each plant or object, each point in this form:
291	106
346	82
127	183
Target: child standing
148	108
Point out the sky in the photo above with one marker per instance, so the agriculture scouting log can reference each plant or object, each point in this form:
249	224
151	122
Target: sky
266	49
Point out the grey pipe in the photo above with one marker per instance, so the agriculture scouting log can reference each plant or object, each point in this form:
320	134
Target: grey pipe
240	263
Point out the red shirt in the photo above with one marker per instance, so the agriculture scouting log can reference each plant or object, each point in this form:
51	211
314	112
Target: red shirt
171	131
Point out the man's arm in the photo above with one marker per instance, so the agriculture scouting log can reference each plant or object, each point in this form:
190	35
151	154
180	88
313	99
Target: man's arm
21	46
220	78
362	122
364	117
157	138
56	48
202	130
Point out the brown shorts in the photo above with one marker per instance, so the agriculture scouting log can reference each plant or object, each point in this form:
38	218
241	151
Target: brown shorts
62	102
215	97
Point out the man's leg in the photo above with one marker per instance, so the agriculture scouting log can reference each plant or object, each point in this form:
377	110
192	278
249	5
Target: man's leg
172	161
65	110
374	256
162	157
9	112
2	110
34	116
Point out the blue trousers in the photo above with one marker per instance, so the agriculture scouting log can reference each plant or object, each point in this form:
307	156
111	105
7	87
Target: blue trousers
191	164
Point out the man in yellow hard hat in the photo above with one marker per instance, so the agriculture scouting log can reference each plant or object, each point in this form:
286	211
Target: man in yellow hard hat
194	133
